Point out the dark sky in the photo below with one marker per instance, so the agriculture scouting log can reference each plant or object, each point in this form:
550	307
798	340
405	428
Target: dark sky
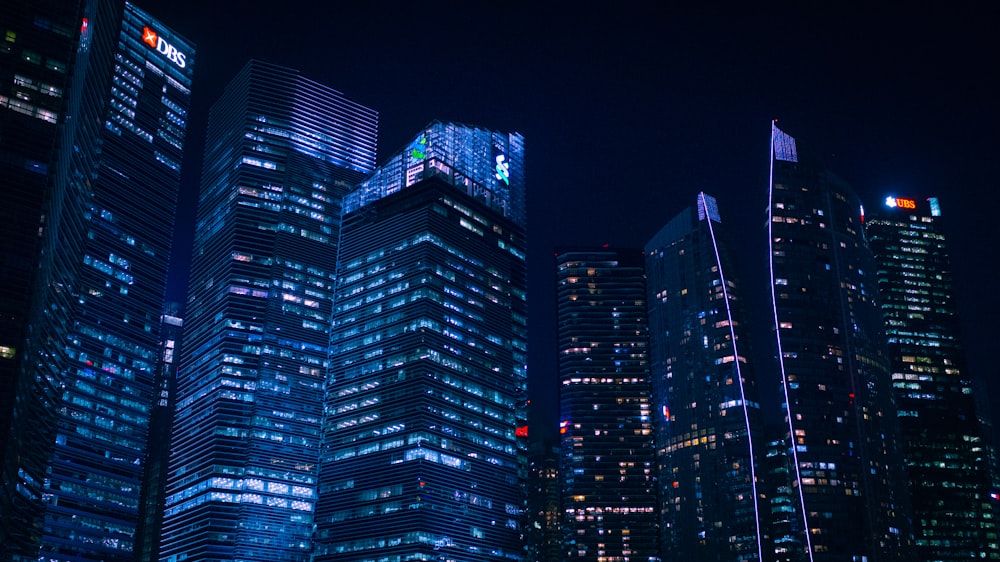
629	109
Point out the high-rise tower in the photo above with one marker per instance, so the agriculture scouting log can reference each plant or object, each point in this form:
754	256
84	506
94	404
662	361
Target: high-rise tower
946	455
706	407
36	50
423	433
281	151
607	466
82	417
154	484
831	351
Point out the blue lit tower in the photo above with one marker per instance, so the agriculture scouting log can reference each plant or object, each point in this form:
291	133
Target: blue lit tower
834	372
147	541
946	455
422	439
705	397
93	340
37	40
607	480
280	153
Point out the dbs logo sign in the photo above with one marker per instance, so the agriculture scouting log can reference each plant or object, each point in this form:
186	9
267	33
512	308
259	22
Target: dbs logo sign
166	49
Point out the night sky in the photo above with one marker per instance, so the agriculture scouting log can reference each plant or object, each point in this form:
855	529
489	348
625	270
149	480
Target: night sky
629	109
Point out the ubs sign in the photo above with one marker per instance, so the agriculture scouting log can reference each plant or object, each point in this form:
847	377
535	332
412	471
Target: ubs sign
151	38
900	202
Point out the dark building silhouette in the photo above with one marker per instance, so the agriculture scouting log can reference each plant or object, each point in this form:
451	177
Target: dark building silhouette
542	531
36	53
424	417
280	153
947	461
835	378
706	409
784	541
607	480
155	464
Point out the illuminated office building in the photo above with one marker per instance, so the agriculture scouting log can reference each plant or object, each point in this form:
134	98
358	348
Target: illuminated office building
161	420
93	340
606	432
280	153
784	541
834	370
946	455
37	39
706	408
425	405
544	520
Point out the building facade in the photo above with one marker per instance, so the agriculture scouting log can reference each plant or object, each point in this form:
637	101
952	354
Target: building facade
706	408
946	454
543	524
424	435
155	463
834	371
607	470
93	338
280	153
785	541
36	52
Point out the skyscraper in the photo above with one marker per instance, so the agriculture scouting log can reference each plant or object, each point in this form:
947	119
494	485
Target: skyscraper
834	370
785	538
280	153
946	455
83	412
36	48
607	467
422	439
706	407
543	523
154	482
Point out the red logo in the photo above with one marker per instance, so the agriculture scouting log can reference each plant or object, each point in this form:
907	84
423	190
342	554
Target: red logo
149	36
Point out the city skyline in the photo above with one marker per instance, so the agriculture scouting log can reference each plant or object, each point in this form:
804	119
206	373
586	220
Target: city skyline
635	108
612	166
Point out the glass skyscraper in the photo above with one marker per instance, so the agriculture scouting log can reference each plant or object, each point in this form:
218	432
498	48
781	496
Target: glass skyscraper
841	417
607	472
785	541
93	341
280	153
946	454
423	435
706	409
